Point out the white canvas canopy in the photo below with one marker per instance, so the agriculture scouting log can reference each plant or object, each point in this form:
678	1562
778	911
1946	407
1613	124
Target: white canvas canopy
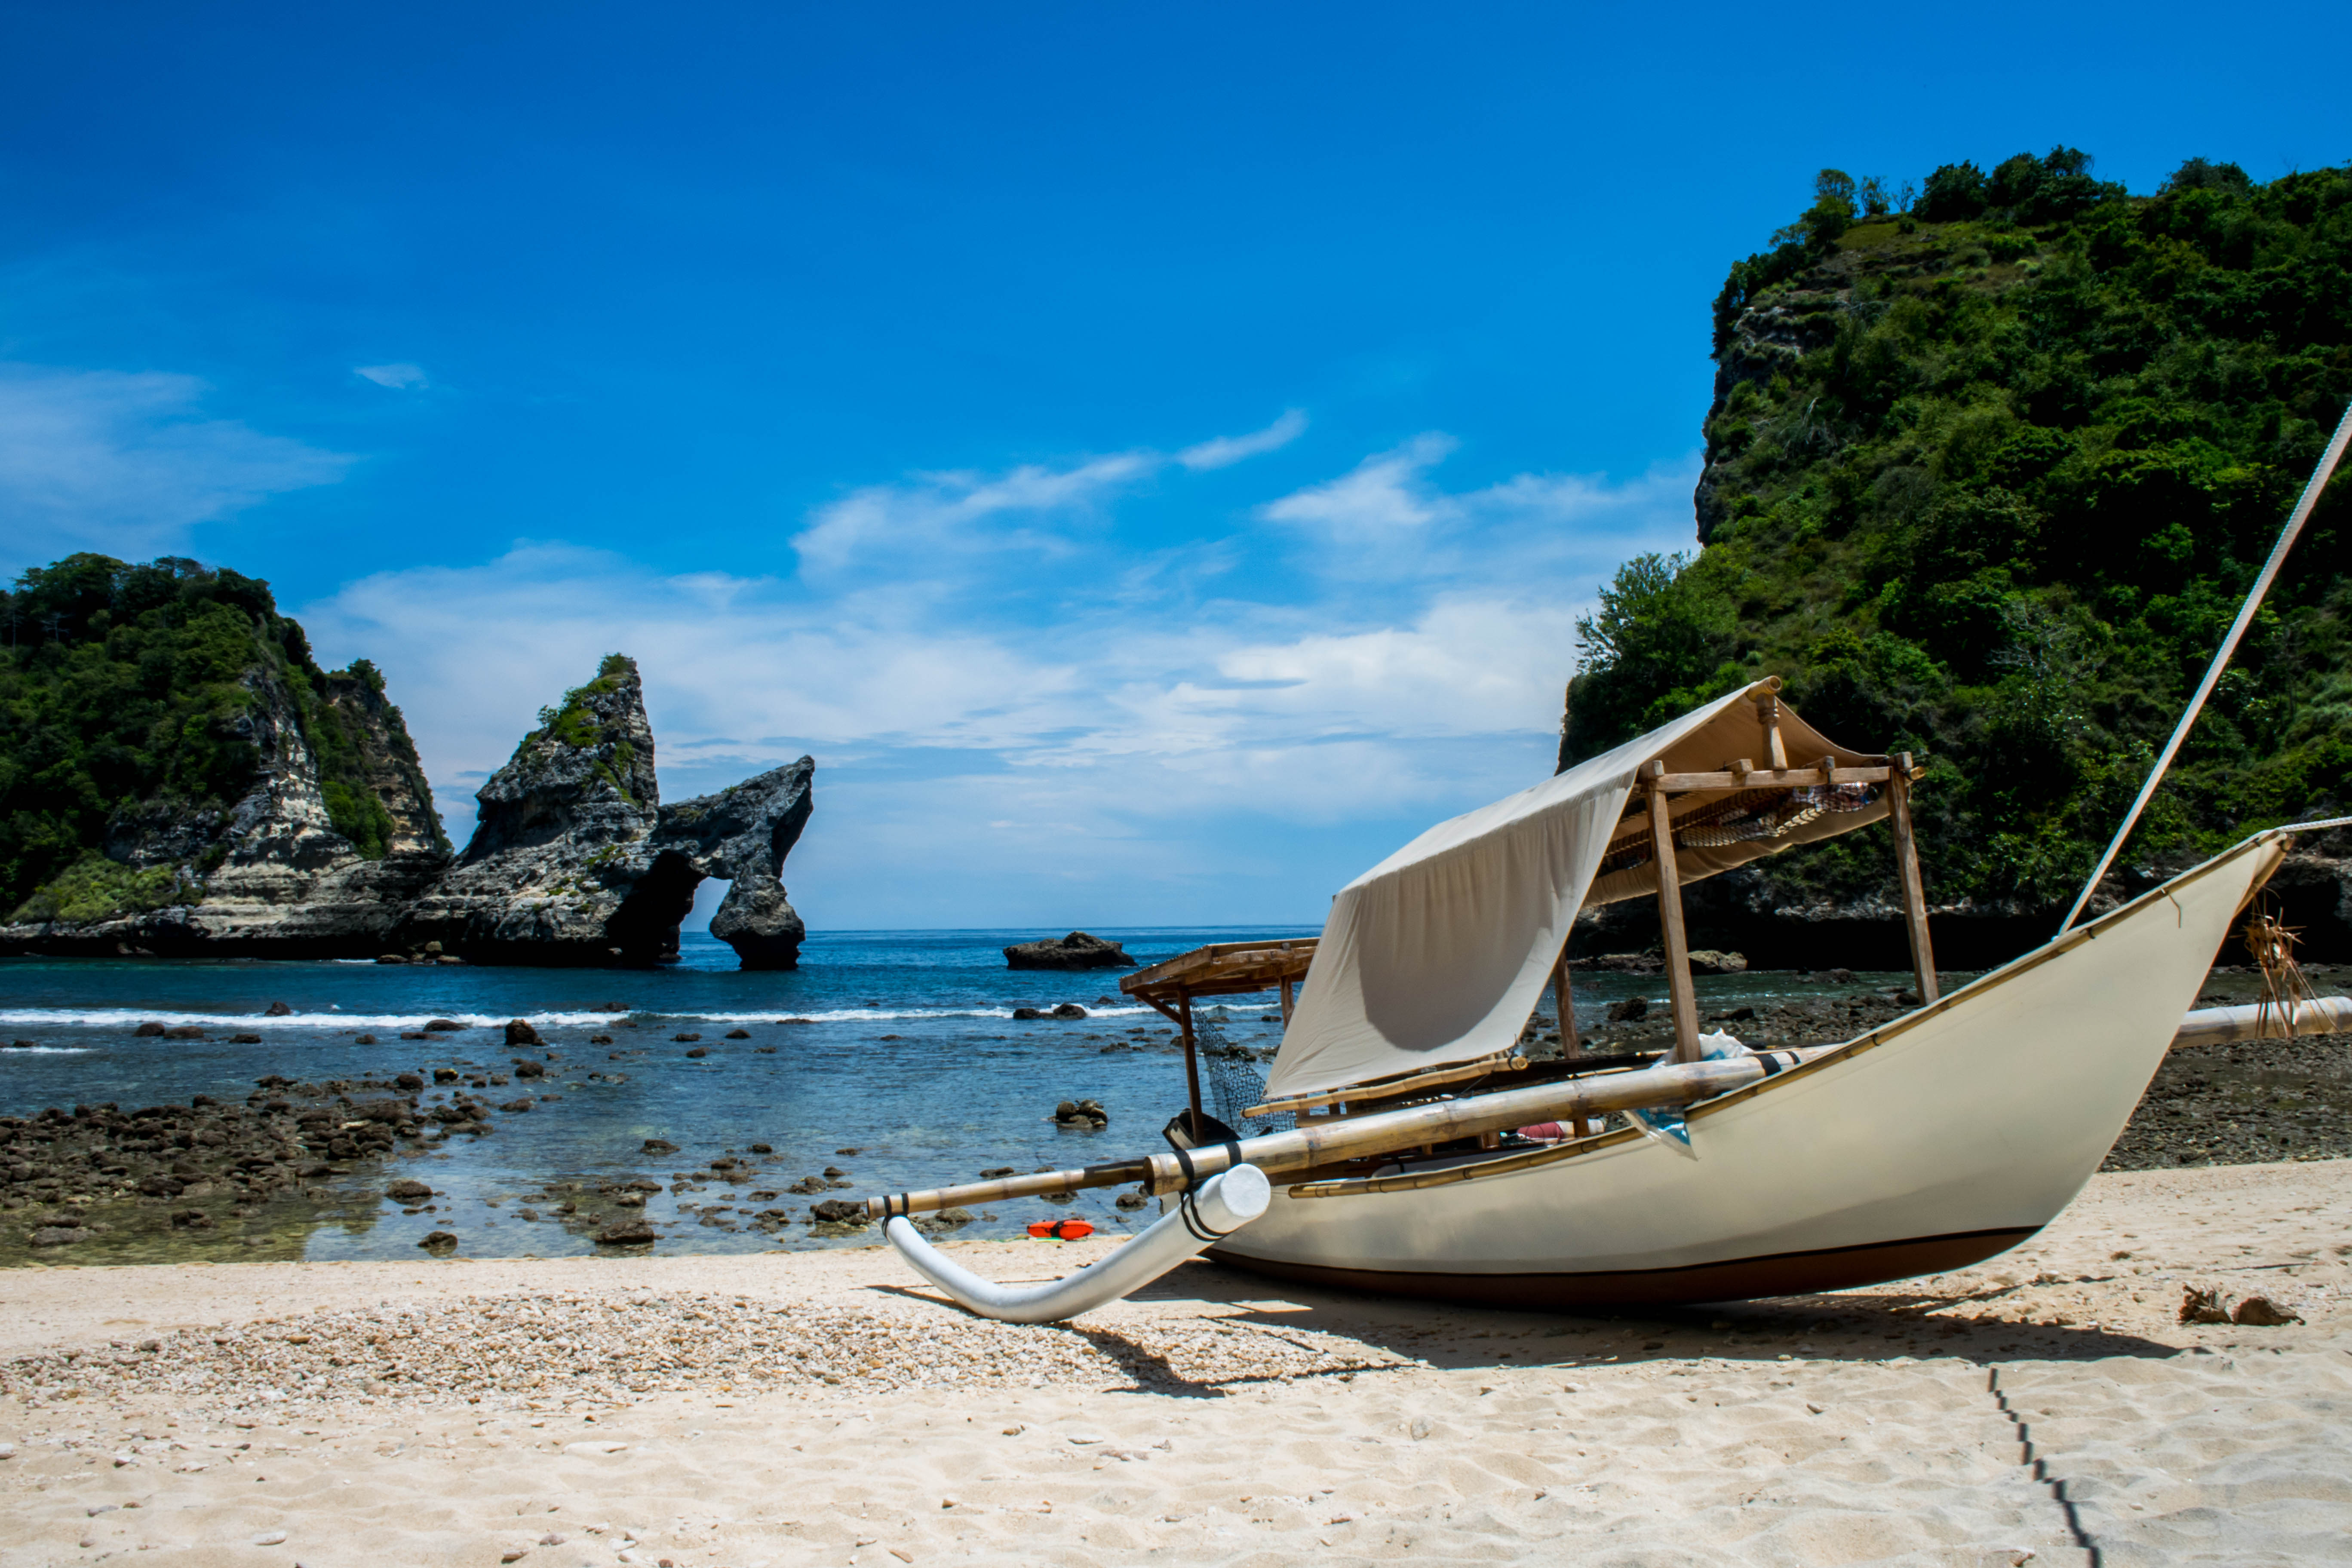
1439	954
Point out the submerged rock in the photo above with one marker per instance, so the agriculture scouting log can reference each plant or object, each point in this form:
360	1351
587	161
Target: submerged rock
1077	951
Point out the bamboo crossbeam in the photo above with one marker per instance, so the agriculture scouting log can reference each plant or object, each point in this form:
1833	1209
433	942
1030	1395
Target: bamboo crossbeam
1772	778
1325	1141
1389	1089
1444	1175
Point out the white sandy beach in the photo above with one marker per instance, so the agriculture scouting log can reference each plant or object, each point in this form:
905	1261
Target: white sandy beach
815	1408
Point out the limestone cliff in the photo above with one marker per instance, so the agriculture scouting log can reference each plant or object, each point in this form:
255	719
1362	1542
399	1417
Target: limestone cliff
270	872
178	776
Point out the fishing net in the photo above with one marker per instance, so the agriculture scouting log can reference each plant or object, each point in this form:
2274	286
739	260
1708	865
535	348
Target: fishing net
1742	818
1232	1079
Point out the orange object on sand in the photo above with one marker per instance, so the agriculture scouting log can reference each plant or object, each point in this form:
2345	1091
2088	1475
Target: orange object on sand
1062	1229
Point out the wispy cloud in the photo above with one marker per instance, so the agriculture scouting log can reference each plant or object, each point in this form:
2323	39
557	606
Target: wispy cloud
1093	737
1384	491
127	461
1224	451
400	377
1035	508
963	511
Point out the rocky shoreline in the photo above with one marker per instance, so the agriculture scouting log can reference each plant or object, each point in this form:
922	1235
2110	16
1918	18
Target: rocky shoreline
98	1184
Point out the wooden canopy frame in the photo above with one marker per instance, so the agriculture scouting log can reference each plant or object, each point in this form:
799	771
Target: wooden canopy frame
1221	969
1240	968
1659	791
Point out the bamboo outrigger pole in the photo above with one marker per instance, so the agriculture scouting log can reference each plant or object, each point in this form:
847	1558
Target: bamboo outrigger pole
1323	1140
2287	536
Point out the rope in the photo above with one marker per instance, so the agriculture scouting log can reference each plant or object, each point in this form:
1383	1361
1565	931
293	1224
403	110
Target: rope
2287	536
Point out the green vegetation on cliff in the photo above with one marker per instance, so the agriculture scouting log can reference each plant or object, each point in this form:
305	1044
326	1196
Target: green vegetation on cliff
1987	478
576	722
140	698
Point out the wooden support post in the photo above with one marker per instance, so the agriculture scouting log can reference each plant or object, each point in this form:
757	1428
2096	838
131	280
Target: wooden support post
1684	996
1906	866
1767	714
1191	1065
1571	1040
1289	1000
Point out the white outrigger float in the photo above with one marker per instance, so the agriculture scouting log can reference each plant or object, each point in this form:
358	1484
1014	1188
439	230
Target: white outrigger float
1427	1156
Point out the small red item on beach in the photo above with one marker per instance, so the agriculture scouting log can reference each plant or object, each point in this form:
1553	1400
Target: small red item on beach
1062	1229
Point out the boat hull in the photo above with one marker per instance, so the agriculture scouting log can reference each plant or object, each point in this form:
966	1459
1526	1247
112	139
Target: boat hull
1944	1138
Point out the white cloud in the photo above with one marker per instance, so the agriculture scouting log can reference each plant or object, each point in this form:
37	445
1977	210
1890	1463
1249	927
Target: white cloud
1123	739
1036	508
961	512
125	462
1224	451
400	377
1382	492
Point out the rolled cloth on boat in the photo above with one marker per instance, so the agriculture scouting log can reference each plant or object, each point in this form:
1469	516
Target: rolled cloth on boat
1438	955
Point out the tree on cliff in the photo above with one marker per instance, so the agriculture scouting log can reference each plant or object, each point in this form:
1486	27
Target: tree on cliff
1985	481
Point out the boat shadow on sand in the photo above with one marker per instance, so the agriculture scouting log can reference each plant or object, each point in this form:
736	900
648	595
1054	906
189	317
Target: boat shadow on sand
1351	1335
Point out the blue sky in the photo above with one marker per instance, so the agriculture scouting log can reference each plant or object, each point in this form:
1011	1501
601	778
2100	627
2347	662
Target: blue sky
1153	457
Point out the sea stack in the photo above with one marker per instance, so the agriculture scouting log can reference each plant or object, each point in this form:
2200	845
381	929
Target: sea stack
576	862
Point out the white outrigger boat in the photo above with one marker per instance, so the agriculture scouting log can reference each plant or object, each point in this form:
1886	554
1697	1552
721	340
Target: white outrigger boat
1425	1155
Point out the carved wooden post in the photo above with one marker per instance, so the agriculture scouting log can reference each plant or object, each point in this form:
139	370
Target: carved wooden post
1906	866
1683	995
1767	714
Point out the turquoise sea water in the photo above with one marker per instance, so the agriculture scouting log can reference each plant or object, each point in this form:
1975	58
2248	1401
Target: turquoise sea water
909	1056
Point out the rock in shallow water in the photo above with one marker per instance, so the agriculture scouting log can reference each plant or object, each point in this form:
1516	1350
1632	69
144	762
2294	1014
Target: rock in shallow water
1079	950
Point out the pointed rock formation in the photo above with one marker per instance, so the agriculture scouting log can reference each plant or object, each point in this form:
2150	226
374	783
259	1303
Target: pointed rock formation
575	860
